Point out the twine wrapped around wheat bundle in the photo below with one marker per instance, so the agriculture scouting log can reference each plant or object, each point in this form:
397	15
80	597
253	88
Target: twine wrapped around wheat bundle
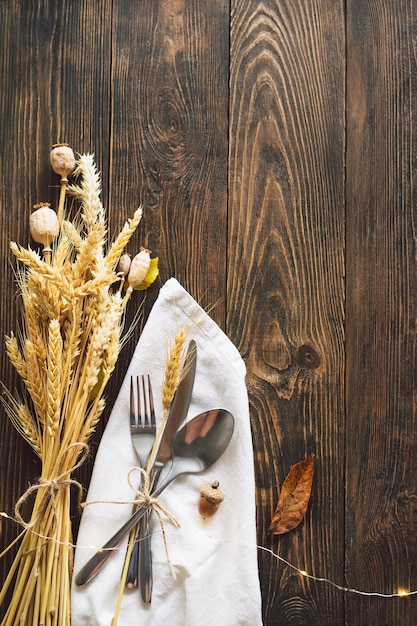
66	352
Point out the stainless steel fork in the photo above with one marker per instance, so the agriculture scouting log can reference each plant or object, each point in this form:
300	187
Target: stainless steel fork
143	431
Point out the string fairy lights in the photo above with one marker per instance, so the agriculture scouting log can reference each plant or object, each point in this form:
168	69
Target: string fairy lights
401	593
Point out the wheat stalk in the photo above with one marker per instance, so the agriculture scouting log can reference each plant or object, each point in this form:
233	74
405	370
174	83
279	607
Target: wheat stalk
33	261
34	330
89	194
121	240
35	381
53	378
172	370
29	430
23	421
15	356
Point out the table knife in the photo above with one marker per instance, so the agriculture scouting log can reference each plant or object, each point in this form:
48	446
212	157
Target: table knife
176	415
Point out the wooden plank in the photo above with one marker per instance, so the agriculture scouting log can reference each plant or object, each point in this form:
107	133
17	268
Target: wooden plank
285	280
169	136
169	145
381	271
51	92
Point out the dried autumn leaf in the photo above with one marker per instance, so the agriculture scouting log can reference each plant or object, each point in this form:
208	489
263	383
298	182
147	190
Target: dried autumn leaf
294	497
151	275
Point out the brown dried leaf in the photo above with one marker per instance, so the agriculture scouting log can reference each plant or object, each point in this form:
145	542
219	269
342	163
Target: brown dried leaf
294	497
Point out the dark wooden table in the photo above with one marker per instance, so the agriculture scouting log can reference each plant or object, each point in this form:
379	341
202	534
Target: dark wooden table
273	147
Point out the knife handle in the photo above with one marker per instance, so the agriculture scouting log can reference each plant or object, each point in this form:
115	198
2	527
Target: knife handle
143	546
133	568
94	565
140	563
144	571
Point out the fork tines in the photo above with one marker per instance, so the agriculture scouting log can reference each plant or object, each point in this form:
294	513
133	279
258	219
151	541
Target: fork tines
142	411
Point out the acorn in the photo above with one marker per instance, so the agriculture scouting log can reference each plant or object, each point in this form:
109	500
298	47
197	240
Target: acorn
210	499
44	227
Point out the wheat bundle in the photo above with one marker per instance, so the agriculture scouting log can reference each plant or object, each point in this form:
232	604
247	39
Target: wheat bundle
67	349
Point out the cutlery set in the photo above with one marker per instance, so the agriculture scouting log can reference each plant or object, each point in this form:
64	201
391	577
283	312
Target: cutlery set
189	450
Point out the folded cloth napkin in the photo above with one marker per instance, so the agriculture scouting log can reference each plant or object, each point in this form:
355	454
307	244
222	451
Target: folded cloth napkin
214	559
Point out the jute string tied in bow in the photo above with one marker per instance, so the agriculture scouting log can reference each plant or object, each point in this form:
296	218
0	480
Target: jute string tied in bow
52	486
143	498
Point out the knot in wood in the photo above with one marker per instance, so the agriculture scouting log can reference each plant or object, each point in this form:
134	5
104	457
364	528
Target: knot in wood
308	357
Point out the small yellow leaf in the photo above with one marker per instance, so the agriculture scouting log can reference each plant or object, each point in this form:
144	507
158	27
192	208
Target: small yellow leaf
97	386
294	497
151	275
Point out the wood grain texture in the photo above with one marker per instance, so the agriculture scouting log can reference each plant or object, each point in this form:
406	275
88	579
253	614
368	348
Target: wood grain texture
51	92
170	127
285	279
381	310
273	147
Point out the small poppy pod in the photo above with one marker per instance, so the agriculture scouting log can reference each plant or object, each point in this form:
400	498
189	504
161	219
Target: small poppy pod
124	265
138	269
210	499
62	160
44	226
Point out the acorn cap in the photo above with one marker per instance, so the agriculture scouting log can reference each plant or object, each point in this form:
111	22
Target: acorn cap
212	493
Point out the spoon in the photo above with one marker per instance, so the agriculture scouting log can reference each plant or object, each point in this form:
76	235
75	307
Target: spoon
196	446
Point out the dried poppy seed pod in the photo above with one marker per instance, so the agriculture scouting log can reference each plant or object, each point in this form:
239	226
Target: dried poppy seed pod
44	227
62	160
210	499
63	163
123	267
138	269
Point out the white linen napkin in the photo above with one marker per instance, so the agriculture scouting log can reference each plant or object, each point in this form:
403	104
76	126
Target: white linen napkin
215	559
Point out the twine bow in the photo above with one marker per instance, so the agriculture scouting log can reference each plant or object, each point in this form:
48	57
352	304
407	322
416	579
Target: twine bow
52	486
144	498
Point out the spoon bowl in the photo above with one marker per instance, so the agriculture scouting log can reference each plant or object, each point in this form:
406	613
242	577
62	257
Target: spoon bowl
196	446
199	444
